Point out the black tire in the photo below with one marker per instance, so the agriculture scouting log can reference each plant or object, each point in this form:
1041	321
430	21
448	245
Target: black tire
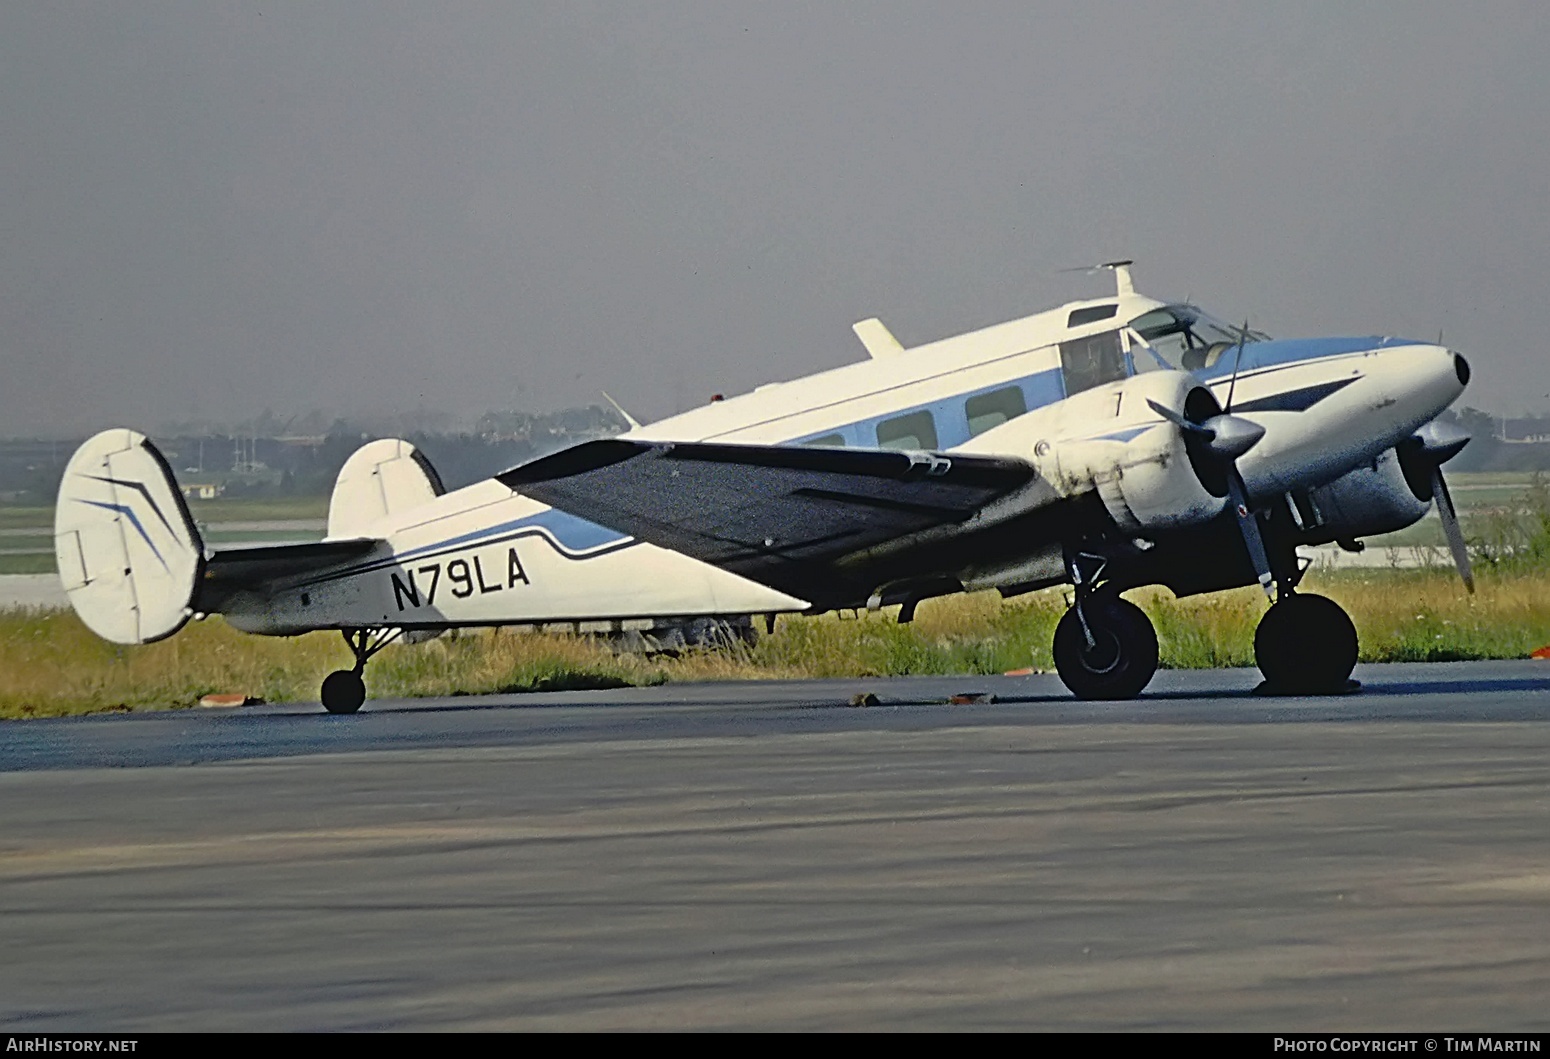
1124	658
1306	644
343	691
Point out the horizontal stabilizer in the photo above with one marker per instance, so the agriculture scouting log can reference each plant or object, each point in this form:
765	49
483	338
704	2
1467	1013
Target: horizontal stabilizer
265	564
779	515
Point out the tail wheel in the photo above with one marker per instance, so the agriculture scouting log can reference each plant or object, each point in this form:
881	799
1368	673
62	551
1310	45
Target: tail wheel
1306	644
1121	658
344	690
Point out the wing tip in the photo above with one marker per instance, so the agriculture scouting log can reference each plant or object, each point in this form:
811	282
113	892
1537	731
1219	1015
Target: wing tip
578	459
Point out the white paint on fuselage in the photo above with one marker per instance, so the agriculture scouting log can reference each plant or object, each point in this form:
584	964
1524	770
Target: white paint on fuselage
1392	392
467	541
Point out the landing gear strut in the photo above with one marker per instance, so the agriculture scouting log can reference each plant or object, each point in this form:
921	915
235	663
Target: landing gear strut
1105	646
345	689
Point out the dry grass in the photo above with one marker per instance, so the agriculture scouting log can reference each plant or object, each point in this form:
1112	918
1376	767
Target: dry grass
50	664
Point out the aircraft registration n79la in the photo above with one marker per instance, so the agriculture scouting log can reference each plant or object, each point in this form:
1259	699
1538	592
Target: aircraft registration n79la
1106	444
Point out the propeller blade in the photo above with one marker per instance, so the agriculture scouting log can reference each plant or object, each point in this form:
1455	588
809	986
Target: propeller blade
1441	441
1227	437
1451	528
1179	421
1248	526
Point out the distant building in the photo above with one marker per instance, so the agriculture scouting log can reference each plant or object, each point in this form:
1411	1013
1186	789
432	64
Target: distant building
203	490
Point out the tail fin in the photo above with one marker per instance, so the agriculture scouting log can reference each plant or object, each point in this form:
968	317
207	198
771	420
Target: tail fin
380	477
128	552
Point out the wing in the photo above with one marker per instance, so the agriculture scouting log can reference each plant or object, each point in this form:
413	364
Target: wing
794	518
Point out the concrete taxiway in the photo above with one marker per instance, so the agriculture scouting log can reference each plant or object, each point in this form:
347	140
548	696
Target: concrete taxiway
762	855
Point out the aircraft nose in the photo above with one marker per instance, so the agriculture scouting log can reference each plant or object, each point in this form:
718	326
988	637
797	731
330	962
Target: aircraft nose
1461	369
1439	370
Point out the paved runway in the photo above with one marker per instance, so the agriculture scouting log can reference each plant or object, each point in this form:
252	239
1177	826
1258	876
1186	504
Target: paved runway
761	855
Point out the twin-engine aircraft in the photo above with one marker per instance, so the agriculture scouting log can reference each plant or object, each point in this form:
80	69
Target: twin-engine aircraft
1107	444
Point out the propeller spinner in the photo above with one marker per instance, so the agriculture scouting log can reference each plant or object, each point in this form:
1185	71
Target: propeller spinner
1226	438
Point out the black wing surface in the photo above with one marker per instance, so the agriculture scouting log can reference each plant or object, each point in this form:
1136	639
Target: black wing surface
785	516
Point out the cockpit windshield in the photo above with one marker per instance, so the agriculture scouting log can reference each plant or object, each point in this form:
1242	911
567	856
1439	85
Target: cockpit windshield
1186	338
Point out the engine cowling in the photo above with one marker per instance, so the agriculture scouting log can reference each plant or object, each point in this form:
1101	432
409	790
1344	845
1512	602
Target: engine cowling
1146	483
1108	439
1376	498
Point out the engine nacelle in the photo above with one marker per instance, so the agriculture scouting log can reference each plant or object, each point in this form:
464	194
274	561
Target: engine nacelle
1146	483
1373	499
1109	439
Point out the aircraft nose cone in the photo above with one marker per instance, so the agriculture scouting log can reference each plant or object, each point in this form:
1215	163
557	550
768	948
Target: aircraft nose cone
1436	370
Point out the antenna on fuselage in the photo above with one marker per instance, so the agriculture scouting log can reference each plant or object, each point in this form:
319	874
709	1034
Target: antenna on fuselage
1122	281
1237	362
1121	269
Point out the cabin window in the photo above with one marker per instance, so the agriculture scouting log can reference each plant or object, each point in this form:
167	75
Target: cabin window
828	441
1091	315
1092	361
991	409
914	431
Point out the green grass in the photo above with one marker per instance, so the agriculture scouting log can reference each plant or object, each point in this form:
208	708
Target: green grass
50	664
40	541
265	510
31	563
26	517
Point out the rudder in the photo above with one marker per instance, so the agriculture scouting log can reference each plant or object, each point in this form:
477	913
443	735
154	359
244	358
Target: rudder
127	550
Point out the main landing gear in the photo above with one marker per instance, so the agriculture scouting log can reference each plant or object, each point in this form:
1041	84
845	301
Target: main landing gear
1305	645
1105	646
344	690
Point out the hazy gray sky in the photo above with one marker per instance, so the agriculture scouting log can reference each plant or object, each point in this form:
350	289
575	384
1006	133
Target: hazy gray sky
209	208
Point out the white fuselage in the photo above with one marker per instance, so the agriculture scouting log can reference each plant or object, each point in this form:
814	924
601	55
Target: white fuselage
485	555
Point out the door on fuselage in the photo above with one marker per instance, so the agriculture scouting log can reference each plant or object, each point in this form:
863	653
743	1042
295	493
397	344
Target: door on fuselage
1092	361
